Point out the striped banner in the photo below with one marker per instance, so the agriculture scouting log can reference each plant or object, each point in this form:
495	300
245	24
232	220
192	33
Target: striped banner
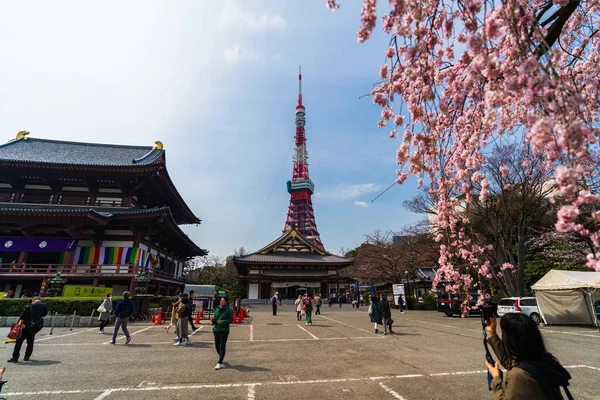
107	255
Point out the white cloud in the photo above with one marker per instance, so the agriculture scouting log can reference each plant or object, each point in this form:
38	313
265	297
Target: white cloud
349	192
237	53
361	204
233	16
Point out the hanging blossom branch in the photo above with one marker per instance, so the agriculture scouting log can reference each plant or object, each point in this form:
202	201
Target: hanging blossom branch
472	71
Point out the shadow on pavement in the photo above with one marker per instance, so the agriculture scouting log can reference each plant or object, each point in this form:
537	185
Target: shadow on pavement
39	362
245	368
138	345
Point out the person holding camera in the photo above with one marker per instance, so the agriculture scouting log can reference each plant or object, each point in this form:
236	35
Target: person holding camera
222	317
532	372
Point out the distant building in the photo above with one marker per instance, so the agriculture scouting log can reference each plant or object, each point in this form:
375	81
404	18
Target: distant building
99	214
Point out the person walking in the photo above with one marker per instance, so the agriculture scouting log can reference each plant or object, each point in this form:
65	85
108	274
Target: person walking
299	306
105	310
386	315
216	300
375	313
340	298
182	322
307	308
33	322
275	302
532	372
330	301
318	303
221	320
123	311
191	306
175	302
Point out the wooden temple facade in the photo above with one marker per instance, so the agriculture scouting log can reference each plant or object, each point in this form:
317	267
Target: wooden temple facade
292	265
99	214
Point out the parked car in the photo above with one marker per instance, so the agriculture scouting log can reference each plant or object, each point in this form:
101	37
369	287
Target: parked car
451	304
525	305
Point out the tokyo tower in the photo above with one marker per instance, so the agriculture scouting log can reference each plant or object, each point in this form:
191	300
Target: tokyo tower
300	212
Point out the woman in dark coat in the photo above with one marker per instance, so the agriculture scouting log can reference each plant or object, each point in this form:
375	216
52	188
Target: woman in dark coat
386	315
375	312
532	372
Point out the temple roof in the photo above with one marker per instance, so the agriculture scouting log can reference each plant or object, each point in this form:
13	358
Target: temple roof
289	249
46	151
31	158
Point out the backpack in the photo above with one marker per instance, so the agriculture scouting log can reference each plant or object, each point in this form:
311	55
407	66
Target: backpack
597	308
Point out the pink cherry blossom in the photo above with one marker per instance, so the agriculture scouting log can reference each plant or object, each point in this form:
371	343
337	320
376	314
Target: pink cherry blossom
468	74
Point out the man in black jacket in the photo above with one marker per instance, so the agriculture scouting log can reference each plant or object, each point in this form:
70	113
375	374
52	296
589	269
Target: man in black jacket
33	323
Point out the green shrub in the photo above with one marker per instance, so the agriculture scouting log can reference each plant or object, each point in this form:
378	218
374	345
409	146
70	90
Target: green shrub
366	298
62	305
410	303
429	302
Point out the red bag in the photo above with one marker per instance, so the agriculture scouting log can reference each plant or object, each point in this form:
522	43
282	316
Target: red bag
16	330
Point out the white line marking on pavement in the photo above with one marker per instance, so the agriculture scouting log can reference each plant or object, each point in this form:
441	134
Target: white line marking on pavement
569	333
343	323
447	326
251	392
134	333
68	334
105	394
390	391
459	373
252	333
232	385
313	336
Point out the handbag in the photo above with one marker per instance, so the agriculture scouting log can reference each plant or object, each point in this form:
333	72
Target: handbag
101	309
16	330
370	309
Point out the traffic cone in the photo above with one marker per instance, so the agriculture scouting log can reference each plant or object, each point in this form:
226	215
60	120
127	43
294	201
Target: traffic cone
241	317
159	318
197	321
153	319
234	316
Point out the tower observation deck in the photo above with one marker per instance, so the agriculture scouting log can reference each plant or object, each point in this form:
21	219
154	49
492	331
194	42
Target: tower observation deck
300	211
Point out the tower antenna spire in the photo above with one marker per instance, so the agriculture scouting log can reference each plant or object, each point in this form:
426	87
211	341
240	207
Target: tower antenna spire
300	85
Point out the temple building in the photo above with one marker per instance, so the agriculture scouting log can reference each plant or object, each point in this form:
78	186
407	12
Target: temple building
297	261
100	214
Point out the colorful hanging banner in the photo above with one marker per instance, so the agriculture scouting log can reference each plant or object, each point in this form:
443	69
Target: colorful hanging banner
107	255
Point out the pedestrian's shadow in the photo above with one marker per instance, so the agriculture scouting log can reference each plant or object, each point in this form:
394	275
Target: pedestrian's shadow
245	368
36	363
138	345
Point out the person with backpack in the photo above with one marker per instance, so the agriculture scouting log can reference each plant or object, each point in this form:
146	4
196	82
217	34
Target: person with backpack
123	311
532	372
33	322
386	315
105	310
307	308
275	302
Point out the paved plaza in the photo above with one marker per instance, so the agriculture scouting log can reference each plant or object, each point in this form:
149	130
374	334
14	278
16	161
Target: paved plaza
430	356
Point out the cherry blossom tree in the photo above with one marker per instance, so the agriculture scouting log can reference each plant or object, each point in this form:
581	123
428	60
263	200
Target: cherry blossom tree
461	74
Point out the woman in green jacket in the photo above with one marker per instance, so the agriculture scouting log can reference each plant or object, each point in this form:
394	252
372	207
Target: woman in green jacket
221	319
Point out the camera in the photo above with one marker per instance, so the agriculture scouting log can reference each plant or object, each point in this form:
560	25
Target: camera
488	311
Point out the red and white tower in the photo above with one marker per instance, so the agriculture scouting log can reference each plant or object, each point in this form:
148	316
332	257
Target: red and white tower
300	212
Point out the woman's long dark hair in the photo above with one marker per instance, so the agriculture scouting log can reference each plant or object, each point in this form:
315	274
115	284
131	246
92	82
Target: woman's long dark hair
522	338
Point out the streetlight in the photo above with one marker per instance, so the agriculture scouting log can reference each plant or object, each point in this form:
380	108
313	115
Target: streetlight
407	292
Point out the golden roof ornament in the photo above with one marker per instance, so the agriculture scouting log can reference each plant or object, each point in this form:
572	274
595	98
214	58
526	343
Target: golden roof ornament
22	135
159	145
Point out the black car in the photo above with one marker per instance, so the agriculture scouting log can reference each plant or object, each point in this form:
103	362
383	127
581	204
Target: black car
451	304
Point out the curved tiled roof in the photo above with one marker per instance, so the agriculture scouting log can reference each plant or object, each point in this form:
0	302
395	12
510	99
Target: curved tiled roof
295	257
45	151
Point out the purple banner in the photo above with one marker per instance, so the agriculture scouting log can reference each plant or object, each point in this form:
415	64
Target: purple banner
37	244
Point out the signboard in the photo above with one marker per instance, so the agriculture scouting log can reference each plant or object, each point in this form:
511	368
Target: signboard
398	290
85	291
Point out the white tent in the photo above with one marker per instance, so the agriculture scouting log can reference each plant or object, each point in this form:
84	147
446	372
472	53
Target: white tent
567	297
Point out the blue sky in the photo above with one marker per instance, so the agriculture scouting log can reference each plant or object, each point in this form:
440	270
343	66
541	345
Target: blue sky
216	82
